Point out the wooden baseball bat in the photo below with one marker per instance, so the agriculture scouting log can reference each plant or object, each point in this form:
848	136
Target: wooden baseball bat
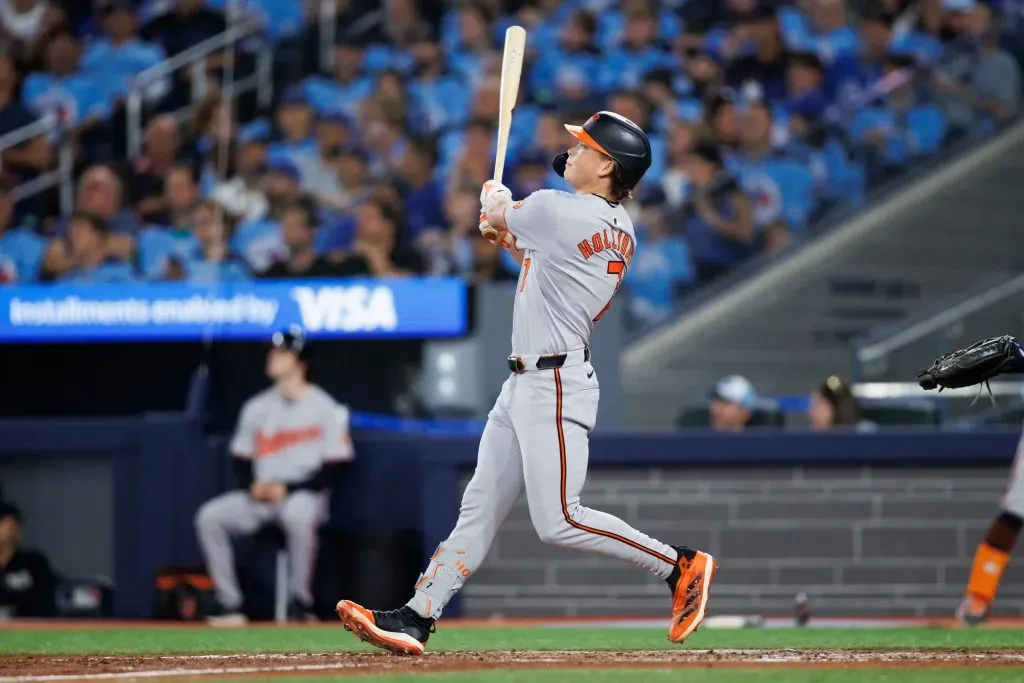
511	70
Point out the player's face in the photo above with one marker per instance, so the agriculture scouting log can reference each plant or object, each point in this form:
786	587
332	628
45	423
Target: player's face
281	364
586	165
821	414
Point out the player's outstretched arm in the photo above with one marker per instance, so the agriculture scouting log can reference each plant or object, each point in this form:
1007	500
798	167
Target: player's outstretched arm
976	364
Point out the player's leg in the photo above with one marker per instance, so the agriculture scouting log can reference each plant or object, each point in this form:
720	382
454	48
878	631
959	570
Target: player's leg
993	553
217	522
553	417
489	496
299	516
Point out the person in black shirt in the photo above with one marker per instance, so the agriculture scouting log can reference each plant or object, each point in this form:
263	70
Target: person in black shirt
186	24
26	160
27	582
299	230
377	250
764	70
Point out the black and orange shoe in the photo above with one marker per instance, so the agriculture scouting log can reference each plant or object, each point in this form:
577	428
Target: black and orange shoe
690	582
400	631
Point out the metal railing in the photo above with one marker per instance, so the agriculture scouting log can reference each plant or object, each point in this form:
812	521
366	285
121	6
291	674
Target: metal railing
195	58
889	361
1001	297
61	175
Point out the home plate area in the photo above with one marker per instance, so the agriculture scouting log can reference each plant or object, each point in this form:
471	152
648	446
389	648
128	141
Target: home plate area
91	667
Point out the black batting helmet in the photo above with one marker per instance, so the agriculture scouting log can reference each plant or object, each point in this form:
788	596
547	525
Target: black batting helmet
293	339
617	137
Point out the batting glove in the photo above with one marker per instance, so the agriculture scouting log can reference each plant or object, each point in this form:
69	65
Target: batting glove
492	188
504	238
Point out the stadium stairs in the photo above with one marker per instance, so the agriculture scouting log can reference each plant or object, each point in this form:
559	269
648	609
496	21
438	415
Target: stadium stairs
789	322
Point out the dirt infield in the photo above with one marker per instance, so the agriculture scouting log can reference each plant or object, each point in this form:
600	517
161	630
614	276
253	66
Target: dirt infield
35	668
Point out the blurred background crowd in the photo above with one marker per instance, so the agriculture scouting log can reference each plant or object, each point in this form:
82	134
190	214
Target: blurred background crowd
367	155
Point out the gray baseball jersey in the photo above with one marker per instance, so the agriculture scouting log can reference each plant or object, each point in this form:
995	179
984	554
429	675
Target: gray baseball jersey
289	440
578	249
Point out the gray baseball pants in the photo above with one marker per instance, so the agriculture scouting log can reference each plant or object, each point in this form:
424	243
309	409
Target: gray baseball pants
236	514
536	439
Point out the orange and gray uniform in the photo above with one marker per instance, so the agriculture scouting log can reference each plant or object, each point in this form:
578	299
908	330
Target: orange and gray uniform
577	251
300	443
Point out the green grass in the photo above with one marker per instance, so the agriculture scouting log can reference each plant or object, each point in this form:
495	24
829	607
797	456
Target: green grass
330	639
699	676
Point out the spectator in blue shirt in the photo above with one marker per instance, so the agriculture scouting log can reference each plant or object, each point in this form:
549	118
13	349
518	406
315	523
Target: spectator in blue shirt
319	168
438	99
661	270
568	73
851	74
475	49
171	234
761	74
422	193
782	186
900	128
639	52
88	254
21	249
826	34
719	226
675	183
806	99
213	261
350	84
78	100
293	121
99	193
121	55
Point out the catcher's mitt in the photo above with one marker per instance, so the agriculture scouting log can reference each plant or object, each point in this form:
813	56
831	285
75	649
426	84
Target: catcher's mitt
976	364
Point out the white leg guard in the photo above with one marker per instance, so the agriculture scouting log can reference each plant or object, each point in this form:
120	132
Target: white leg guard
444	577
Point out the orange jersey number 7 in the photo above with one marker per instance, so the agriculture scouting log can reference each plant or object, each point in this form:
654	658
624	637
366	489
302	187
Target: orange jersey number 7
526	271
617	268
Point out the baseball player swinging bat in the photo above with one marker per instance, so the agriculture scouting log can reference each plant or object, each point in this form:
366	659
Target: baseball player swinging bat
511	70
575	249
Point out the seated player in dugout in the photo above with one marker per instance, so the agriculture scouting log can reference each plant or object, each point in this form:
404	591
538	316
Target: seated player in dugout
289	449
574	250
28	583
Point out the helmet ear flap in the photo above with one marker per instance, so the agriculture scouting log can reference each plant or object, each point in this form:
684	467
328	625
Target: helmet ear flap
559	162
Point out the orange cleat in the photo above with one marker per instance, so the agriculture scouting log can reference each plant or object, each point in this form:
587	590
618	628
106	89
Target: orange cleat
691	587
400	631
973	611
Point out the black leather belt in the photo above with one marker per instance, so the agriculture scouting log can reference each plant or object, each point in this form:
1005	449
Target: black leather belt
556	360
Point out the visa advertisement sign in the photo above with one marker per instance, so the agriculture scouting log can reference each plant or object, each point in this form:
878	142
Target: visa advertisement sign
350	308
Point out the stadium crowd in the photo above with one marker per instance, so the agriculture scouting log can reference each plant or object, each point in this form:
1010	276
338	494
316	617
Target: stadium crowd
763	116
